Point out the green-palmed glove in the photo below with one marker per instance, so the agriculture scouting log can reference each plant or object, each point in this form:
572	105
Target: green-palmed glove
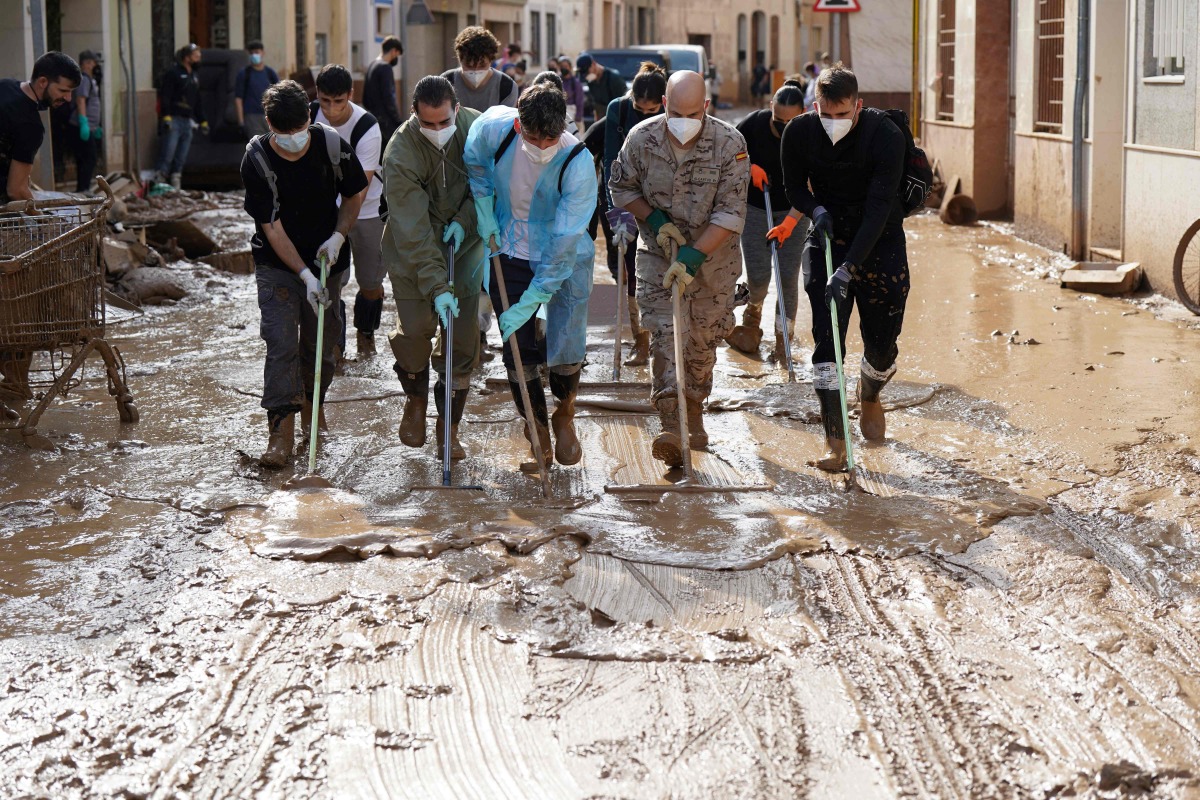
517	315
684	268
665	231
485	215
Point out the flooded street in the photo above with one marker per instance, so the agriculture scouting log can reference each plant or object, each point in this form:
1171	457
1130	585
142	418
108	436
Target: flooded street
1009	608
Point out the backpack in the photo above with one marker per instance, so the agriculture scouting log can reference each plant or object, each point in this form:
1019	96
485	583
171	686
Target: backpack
562	171
506	83
356	133
917	182
257	153
272	74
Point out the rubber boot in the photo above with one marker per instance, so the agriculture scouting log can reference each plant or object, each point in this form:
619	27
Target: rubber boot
777	351
366	345
565	389
746	337
458	401
639	356
537	397
667	446
834	459
416	402
281	435
697	436
367	315
306	419
871	418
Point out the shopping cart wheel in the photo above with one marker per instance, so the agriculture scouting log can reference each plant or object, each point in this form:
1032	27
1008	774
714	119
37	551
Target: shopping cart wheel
129	412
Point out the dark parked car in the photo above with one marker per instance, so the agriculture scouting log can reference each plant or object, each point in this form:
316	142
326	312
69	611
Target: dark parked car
626	62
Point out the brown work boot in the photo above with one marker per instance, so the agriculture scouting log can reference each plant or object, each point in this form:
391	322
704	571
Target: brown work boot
697	436
457	453
639	356
366	345
871	419
667	446
537	398
458	402
416	402
281	437
746	337
834	459
777	353
565	389
306	418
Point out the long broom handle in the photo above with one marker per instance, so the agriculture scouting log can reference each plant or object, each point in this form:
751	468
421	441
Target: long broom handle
530	419
837	354
680	393
316	403
781	318
448	378
621	279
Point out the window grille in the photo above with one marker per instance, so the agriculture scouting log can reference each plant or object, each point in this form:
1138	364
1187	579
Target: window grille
1050	30
945	58
1166	38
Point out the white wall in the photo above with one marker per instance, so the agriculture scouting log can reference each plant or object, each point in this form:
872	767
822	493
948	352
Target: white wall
880	44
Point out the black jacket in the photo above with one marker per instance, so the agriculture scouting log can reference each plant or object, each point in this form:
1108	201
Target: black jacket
379	97
608	86
857	180
179	94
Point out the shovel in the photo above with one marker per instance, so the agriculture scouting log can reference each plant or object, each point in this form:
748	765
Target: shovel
312	480
448	390
621	278
837	354
781	312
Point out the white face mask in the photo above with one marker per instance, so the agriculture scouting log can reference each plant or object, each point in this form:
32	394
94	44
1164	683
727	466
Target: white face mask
439	138
684	128
292	142
475	77
536	154
836	129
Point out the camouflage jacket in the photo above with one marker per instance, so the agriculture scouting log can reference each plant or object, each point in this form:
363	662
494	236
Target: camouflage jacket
708	187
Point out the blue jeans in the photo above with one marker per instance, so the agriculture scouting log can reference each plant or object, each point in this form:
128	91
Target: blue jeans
175	145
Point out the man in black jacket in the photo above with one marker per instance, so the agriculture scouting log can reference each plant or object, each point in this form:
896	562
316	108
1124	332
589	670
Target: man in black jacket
179	104
853	158
379	88
604	84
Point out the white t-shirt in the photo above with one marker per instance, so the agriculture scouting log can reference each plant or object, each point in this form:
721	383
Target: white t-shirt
522	182
370	155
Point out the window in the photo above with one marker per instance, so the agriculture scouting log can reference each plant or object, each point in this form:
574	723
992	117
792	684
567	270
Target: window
945	59
1165	38
383	22
551	37
535	36
1049	29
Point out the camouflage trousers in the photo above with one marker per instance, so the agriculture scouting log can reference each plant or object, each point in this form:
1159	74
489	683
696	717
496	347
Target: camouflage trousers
707	311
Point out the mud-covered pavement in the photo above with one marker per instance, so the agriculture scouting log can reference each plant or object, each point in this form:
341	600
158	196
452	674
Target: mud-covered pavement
1010	610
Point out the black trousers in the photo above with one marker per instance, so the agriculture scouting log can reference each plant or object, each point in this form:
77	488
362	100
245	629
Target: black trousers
87	155
879	290
517	277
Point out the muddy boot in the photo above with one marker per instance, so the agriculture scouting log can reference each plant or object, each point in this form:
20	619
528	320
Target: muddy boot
667	446
306	419
746	337
697	436
485	352
565	389
639	356
367	316
366	345
281	437
416	402
537	397
777	353
871	419
834	459
458	401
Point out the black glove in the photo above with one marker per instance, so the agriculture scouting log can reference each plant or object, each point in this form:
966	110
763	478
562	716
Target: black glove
822	223
838	287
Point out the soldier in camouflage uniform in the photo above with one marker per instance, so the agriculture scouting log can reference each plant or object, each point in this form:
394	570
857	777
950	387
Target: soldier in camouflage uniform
684	176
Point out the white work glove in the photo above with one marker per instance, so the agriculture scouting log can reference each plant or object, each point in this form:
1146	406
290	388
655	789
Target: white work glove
331	249
318	296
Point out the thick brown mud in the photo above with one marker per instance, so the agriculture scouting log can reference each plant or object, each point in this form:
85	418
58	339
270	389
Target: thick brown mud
1009	608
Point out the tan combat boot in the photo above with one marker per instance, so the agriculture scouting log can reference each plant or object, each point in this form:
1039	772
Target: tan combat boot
746	337
639	356
697	436
667	446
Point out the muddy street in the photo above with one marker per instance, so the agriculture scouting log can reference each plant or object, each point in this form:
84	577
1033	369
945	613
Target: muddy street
1009	609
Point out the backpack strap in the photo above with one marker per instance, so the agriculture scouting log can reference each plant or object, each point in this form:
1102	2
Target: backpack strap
333	148
562	171
505	144
313	108
257	154
361	127
506	86
623	119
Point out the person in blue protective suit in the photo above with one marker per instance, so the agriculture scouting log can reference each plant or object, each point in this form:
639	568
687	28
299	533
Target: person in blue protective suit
535	193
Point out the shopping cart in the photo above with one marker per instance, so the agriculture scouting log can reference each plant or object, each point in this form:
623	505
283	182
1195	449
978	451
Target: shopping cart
52	308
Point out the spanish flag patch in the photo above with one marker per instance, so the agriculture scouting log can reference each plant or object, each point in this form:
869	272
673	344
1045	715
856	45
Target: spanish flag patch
741	156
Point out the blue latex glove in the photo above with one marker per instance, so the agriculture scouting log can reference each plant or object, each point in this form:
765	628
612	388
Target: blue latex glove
485	214
623	225
455	231
446	305
85	130
517	315
97	133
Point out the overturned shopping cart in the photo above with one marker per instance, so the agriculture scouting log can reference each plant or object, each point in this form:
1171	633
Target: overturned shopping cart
52	310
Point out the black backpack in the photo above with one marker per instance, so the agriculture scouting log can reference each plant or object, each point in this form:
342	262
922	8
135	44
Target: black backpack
257	153
512	134
360	130
917	182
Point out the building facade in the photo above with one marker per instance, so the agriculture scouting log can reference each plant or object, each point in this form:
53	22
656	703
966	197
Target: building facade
1079	118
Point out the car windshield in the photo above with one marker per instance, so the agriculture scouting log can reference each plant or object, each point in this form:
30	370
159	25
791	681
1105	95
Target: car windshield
626	64
685	59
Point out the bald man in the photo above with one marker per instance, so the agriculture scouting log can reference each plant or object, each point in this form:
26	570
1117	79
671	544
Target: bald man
683	175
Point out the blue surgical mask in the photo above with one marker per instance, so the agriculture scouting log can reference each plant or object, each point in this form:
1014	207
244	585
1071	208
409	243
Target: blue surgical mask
256	58
292	142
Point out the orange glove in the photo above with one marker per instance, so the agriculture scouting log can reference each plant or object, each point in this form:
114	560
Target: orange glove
758	176
783	230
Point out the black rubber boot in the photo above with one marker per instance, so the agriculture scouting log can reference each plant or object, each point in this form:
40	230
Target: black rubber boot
458	402
565	388
537	397
834	459
416	402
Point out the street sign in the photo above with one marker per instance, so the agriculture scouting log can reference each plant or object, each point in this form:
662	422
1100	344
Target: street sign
842	6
